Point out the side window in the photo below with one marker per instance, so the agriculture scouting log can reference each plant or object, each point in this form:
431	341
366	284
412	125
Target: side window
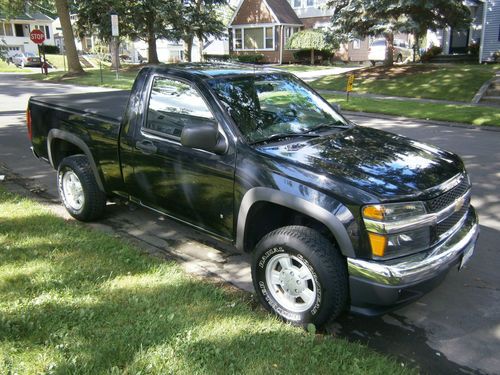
172	105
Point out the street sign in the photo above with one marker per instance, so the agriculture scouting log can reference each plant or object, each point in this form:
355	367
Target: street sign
114	25
37	36
350	82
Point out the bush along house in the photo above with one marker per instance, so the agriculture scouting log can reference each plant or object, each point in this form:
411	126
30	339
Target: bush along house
260	29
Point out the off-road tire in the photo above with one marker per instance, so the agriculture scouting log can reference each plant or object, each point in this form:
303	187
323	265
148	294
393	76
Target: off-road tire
94	200
325	263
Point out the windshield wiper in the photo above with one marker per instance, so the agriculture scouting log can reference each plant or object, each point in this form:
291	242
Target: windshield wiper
325	126
280	136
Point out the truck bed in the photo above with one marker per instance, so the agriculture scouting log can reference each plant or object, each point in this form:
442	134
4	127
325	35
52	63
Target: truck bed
110	104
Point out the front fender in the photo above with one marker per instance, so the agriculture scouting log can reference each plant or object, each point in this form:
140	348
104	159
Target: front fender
332	221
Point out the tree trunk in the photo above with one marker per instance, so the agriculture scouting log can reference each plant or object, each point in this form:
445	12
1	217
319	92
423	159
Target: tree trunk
200	47
114	46
389	50
152	52
188	46
74	66
312	56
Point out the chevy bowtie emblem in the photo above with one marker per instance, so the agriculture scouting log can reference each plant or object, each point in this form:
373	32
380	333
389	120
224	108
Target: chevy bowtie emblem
459	203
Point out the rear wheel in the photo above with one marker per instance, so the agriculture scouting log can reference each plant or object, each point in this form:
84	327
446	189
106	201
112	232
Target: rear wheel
300	276
78	189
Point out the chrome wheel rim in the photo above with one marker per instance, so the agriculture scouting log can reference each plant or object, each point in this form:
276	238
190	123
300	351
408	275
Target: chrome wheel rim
291	282
73	191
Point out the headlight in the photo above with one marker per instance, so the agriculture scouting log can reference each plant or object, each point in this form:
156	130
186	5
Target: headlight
397	229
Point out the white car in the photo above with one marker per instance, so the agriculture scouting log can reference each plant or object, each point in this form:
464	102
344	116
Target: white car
23	59
376	52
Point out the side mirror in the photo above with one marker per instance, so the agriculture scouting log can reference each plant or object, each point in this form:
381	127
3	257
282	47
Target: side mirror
204	136
336	107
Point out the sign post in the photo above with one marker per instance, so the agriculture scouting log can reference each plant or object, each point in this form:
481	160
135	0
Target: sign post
350	82
115	33
38	37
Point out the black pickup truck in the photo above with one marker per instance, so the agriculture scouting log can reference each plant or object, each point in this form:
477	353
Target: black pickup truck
336	215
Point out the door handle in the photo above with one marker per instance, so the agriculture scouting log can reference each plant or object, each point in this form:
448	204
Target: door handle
146	147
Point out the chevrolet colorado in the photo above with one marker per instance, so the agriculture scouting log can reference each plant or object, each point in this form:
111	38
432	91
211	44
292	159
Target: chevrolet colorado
336	216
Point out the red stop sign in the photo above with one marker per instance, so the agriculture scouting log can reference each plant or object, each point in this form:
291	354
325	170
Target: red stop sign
37	36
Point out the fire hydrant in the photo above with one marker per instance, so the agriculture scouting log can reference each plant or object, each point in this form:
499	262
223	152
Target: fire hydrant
45	68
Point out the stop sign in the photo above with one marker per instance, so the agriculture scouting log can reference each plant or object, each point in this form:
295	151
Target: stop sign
37	36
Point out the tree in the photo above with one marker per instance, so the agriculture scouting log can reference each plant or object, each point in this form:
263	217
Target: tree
11	8
363	18
199	18
148	20
309	39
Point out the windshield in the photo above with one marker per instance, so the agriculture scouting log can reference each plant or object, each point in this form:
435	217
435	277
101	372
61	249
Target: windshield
379	42
266	106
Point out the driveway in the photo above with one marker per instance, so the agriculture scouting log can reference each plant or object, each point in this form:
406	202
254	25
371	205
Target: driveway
454	329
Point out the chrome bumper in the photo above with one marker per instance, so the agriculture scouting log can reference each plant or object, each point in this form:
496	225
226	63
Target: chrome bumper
421	266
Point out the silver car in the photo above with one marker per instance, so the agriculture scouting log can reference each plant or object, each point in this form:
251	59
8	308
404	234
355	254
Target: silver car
27	59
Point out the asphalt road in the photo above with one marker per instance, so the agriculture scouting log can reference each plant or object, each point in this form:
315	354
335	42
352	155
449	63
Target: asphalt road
453	329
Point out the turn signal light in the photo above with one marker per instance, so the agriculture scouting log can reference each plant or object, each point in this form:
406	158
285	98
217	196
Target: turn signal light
378	243
375	212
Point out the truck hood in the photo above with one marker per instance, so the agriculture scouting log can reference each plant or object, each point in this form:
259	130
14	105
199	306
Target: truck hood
382	163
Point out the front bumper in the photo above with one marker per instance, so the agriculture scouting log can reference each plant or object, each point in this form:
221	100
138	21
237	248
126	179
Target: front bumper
376	287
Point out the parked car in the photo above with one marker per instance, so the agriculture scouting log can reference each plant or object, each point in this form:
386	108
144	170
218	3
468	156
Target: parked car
377	50
336	216
23	59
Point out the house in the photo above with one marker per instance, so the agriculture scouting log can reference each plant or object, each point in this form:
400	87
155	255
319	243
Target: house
264	26
483	31
15	31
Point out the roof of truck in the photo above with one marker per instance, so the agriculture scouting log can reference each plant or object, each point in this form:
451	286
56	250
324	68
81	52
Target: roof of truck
209	70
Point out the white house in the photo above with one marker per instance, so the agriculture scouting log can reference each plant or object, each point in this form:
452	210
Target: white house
14	32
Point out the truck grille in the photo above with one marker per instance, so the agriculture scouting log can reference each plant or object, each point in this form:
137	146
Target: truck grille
450	221
444	200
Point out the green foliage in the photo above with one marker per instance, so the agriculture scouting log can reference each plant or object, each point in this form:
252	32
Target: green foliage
303	56
308	39
209	57
251	58
51	49
430	53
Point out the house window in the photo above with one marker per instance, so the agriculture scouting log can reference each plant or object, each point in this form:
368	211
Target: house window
238	40
356	44
269	38
310	3
6	28
297	3
254	38
19	29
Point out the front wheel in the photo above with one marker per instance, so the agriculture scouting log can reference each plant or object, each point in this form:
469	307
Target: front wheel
300	276
78	189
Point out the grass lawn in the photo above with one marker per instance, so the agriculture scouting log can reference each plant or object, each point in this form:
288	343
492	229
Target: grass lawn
456	82
454	113
76	300
6	68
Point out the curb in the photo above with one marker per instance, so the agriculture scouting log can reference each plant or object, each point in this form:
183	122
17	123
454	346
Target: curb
423	121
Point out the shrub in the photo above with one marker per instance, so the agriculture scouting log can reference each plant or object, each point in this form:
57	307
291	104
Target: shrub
209	57
250	58
51	50
473	49
430	53
303	56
